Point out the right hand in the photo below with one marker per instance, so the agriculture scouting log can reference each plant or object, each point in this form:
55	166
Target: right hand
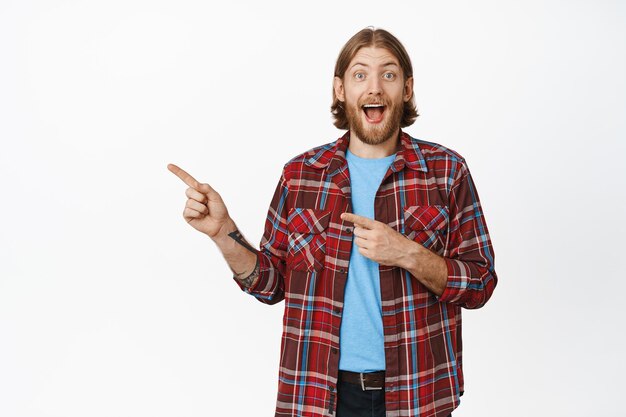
205	210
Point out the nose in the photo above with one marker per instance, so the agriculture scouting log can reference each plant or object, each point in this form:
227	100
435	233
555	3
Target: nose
374	86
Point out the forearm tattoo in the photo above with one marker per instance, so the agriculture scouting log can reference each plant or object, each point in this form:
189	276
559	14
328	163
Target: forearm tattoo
249	280
246	281
240	239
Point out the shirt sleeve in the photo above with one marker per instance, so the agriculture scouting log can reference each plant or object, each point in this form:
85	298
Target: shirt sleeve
269	285
471	260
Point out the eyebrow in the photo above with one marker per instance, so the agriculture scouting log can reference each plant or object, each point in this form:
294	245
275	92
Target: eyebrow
386	64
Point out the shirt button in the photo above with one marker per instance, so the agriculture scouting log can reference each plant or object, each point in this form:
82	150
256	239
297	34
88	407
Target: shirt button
348	230
333	350
331	388
343	271
337	310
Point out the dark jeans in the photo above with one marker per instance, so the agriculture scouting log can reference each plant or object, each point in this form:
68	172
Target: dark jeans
354	402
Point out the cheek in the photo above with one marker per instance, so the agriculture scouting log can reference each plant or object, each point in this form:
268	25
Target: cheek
353	93
352	99
399	94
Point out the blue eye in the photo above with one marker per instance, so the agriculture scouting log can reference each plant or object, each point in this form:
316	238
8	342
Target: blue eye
359	75
389	75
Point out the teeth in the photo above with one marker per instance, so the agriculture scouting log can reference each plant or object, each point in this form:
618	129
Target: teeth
373	105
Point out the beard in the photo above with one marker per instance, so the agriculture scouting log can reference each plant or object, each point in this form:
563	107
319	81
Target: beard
374	134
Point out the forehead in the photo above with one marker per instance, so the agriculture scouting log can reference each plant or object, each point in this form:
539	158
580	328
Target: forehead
374	57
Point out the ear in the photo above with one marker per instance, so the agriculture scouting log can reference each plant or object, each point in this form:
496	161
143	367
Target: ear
338	87
408	89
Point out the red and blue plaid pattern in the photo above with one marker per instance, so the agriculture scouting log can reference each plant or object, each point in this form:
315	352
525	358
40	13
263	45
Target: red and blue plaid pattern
427	195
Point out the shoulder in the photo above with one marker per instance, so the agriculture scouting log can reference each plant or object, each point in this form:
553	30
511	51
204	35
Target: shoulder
443	160
437	151
311	159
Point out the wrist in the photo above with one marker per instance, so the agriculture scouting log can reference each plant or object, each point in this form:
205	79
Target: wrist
412	256
221	238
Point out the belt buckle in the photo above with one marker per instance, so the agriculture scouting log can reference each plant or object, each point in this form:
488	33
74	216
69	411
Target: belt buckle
363	387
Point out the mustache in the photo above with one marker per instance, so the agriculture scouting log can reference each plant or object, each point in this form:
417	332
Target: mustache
377	101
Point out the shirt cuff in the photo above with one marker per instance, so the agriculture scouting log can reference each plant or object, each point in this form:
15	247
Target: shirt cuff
456	282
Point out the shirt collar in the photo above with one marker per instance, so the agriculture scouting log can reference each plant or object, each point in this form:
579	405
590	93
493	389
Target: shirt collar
334	155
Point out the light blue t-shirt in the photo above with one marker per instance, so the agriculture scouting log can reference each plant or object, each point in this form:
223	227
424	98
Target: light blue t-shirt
361	339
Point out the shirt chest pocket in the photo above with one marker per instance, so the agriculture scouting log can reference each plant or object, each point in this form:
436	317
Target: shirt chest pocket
307	229
427	225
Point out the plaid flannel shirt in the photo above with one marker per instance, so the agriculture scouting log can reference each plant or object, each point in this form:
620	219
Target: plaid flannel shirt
429	196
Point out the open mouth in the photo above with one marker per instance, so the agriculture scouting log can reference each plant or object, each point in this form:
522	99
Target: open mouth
373	112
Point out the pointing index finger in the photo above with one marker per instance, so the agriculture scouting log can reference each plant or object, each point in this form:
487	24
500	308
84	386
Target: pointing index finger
184	175
359	220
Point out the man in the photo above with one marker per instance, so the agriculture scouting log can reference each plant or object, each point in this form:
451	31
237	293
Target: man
375	242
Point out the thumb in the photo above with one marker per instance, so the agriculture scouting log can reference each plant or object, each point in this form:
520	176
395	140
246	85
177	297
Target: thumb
209	192
205	188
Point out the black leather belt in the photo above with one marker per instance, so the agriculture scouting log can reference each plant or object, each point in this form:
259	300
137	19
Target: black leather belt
366	380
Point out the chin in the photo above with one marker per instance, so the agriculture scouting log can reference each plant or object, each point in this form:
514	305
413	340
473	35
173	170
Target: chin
373	140
374	134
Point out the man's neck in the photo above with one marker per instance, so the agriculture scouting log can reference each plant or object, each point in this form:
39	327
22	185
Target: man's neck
364	150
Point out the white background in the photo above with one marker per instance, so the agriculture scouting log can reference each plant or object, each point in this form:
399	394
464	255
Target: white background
111	305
